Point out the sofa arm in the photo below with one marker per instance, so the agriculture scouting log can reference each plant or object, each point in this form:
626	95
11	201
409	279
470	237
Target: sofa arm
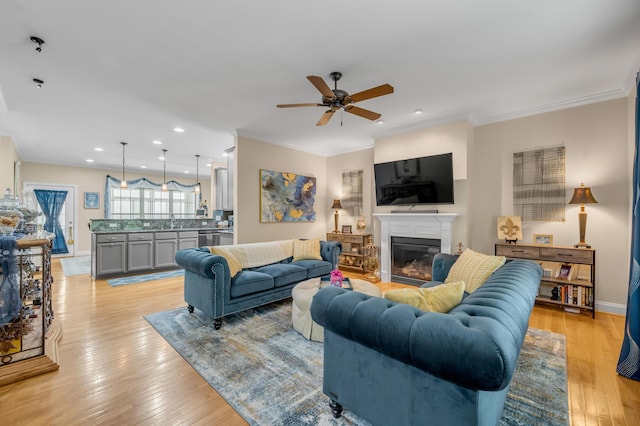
200	261
330	251
476	345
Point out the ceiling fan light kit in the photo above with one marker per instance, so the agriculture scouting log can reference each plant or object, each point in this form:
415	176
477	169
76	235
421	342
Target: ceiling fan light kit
336	99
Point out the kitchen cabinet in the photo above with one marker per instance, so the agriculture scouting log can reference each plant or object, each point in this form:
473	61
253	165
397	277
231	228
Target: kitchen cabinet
140	251
187	239
111	254
226	238
224	200
165	248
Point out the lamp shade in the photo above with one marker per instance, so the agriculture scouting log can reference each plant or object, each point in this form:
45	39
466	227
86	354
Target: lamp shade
336	204
582	195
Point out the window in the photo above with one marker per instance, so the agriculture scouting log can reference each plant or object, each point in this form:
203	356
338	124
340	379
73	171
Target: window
143	199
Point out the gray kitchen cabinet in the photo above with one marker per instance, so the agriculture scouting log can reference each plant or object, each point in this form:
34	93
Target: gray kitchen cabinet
187	239
165	248
111	254
226	238
140	251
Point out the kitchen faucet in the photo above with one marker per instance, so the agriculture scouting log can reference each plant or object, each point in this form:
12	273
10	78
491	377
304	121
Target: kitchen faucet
173	220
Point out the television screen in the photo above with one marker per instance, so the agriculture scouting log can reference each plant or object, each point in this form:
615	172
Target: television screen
424	180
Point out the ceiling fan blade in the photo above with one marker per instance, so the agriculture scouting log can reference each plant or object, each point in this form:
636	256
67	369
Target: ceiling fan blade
365	113
296	105
320	84
374	92
326	116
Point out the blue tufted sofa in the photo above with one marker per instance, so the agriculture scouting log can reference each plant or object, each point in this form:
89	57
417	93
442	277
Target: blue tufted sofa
209	287
391	363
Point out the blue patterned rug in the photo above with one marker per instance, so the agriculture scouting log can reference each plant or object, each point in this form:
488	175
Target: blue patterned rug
134	279
75	265
257	358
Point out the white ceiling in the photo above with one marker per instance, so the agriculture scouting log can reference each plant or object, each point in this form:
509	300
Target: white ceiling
132	70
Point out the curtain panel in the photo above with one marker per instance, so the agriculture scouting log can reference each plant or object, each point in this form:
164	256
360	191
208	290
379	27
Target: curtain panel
629	361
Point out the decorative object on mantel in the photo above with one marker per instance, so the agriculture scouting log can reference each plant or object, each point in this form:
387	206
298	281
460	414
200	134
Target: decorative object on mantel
336	205
510	228
370	262
582	196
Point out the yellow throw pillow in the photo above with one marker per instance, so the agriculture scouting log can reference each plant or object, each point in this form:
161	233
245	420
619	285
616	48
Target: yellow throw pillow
441	298
306	249
234	264
474	269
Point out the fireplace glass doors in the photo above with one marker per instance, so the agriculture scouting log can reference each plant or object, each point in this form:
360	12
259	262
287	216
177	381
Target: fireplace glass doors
411	259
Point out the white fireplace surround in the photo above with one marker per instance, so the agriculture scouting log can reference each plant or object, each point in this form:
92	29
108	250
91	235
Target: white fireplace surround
415	225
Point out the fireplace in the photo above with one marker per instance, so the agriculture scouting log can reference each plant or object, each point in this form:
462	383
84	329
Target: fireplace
412	224
411	259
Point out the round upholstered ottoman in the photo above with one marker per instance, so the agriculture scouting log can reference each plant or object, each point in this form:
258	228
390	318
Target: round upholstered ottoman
302	295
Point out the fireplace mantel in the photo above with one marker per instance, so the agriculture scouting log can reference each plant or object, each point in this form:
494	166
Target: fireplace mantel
416	225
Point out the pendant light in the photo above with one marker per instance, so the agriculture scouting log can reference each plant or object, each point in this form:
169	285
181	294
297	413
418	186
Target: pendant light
123	182
197	190
164	170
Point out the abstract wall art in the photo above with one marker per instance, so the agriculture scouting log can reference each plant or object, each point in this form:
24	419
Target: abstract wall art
286	197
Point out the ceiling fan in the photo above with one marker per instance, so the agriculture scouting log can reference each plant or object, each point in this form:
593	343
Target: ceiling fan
339	99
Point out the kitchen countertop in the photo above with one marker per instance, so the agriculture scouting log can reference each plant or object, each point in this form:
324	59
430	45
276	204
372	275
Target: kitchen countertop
134	231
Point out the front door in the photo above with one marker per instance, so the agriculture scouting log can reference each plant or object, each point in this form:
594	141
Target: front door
66	218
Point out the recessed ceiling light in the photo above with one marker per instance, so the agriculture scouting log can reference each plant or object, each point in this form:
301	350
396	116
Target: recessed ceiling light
157	142
143	167
186	172
226	154
161	158
380	121
208	164
178	129
98	149
418	111
89	160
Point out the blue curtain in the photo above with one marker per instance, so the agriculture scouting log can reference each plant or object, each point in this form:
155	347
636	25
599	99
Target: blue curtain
51	203
629	361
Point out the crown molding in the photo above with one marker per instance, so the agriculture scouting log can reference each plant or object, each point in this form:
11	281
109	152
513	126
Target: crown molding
479	120
421	125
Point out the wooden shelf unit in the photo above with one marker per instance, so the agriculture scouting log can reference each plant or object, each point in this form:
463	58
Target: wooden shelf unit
351	256
576	290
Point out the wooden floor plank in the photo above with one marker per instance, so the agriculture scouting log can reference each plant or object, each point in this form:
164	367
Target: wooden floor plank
116	369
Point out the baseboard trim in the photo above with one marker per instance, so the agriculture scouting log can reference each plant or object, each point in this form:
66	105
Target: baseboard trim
611	308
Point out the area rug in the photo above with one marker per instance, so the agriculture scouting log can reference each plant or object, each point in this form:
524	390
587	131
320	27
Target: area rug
75	265
134	279
272	375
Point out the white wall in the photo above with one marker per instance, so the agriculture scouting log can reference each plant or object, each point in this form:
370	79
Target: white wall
8	158
338	164
251	156
596	148
456	138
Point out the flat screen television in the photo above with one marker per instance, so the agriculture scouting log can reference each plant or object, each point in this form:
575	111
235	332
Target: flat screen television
423	180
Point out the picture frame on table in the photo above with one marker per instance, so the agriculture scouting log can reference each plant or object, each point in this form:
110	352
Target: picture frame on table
91	200
543	239
346	229
564	272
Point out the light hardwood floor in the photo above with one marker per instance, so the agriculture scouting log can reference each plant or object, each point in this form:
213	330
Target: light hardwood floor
115	369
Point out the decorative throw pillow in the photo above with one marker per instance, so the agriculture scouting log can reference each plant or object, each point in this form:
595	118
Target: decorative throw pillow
474	268
441	298
306	249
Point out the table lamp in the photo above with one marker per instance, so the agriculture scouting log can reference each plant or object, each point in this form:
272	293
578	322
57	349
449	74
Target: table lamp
582	196
336	205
